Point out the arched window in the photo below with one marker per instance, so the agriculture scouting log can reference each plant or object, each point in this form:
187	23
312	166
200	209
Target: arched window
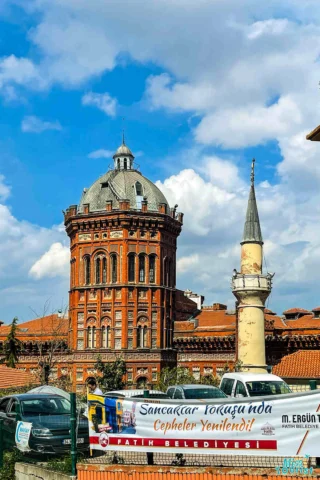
106	337
142	268
165	272
89	337
169	281
152	269
139	190
125	164
104	270
131	267
87	271
142	336
98	270
145	333
114	269
139	331
94	337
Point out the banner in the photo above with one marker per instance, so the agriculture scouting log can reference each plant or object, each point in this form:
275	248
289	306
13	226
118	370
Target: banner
286	425
22	436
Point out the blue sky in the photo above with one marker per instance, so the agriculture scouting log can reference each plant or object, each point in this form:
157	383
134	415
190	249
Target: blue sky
202	90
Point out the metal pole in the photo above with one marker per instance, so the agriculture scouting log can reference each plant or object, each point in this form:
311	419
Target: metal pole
146	394
73	424
1	443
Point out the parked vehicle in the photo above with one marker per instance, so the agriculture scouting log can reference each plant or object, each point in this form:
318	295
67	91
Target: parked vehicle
245	384
194	392
140	393
50	418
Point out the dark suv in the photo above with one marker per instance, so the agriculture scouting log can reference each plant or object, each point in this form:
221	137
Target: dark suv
50	418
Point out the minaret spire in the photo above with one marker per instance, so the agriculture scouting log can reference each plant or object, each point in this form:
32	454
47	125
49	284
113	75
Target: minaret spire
252	230
252	172
251	288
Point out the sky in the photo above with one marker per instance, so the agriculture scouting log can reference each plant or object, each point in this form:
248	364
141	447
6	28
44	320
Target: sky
200	88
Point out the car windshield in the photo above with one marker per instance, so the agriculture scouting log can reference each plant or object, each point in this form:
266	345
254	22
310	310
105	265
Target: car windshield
45	406
256	389
203	393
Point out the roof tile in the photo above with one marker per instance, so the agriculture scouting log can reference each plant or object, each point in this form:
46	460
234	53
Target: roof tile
301	364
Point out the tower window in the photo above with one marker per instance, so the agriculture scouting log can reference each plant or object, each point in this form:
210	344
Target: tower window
114	268
91	337
87	271
118	163
125	163
152	272
142	333
131	267
104	270
98	270
139	190
106	337
142	269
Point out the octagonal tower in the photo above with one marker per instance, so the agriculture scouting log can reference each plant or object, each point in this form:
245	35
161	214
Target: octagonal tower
123	238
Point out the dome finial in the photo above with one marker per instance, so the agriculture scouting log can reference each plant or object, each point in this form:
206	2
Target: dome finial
123	140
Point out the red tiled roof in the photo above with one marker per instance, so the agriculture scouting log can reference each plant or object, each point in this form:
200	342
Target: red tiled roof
317	309
301	364
296	310
13	377
306	321
270	312
48	326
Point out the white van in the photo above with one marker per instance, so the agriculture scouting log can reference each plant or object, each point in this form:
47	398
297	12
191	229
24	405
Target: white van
246	384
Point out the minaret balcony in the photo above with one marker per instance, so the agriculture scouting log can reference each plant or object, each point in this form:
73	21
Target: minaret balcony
252	282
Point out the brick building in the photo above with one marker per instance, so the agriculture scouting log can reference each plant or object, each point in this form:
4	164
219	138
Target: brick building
123	297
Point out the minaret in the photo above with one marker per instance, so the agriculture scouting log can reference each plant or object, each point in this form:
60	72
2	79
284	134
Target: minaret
251	288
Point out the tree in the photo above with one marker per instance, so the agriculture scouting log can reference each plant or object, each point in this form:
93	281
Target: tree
12	346
50	342
174	376
112	374
210	380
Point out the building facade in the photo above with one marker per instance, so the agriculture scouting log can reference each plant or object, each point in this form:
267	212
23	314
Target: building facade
123	242
124	301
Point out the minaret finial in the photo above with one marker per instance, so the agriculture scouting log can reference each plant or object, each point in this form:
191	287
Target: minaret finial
252	172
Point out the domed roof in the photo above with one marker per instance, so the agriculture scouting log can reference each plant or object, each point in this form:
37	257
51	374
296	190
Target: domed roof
118	185
123	150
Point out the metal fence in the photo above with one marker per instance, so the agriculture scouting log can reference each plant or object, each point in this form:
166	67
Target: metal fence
192	460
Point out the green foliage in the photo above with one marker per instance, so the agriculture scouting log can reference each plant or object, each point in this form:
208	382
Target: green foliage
238	366
9	461
182	376
12	346
210	380
174	376
112	374
16	390
62	464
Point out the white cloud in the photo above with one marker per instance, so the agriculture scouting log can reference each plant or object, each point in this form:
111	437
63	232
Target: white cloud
32	124
19	71
4	189
187	263
101	153
22	244
53	263
249	125
103	101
